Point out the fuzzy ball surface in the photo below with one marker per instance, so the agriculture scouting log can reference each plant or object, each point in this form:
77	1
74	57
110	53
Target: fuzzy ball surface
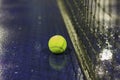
57	44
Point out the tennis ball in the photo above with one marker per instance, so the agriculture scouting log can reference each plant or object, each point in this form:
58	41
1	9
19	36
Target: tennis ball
57	44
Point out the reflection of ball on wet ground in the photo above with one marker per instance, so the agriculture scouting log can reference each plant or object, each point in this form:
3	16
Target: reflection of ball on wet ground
57	44
57	62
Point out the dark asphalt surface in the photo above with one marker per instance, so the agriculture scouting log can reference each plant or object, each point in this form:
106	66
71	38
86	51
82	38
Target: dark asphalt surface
25	28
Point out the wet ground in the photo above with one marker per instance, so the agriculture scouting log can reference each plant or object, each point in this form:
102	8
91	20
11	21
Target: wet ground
25	28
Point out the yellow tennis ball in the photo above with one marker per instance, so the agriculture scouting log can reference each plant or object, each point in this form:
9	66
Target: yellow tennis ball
57	44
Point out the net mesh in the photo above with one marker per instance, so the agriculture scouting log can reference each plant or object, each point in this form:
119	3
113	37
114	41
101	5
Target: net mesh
93	26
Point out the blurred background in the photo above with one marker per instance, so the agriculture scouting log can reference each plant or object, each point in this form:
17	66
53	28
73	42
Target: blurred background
91	28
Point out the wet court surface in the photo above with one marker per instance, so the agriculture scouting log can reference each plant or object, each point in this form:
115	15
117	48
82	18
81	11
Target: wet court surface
25	28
